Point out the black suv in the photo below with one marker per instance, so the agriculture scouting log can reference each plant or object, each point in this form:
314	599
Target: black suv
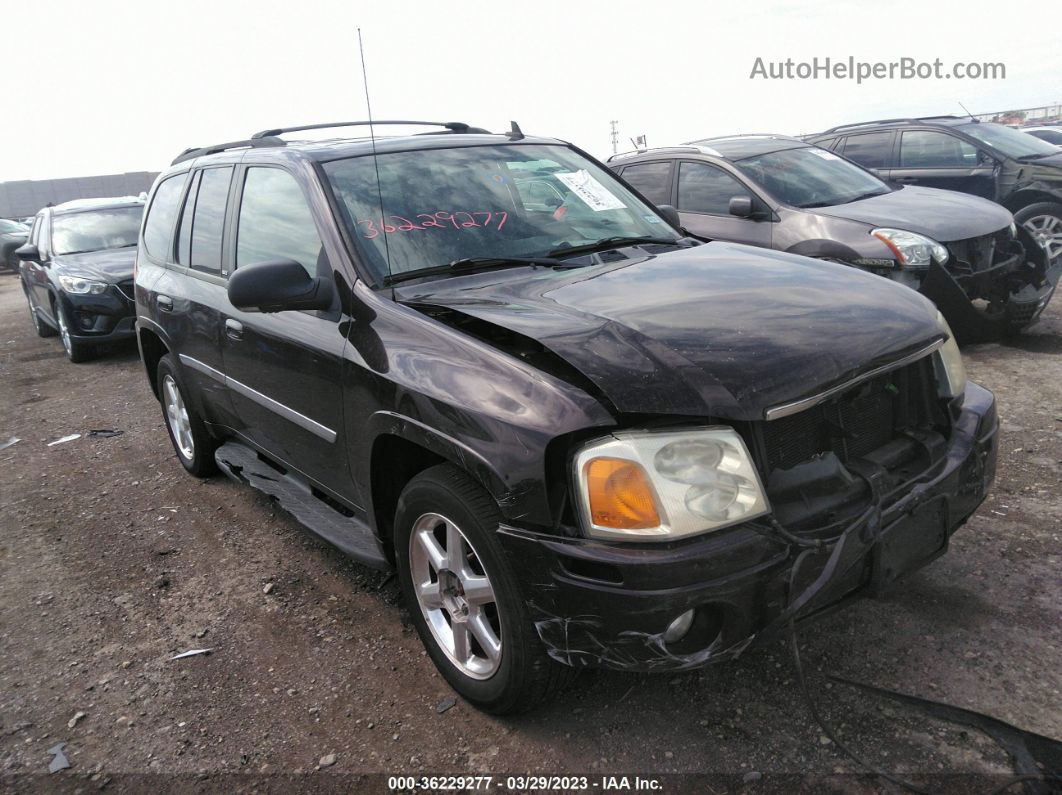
1018	170
581	438
77	272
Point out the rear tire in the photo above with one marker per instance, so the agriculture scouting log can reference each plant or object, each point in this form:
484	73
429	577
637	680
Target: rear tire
444	504
191	441
1043	221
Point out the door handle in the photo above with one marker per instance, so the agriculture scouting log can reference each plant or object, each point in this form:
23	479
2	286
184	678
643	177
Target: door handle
164	303
234	329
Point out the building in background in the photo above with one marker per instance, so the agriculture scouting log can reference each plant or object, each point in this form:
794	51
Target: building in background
25	197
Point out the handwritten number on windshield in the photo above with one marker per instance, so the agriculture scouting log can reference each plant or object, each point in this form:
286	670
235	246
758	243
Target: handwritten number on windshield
482	219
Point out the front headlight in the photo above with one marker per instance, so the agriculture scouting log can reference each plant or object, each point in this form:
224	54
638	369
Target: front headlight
79	286
951	374
911	250
662	485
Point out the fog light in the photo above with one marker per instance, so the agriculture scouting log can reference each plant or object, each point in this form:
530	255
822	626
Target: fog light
678	628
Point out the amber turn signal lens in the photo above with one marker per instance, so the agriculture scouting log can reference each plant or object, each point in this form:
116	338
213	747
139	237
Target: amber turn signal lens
620	495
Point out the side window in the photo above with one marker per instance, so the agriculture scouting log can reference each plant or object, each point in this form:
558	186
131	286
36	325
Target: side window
929	149
275	221
870	150
163	212
827	143
653	180
184	232
707	189
43	232
204	241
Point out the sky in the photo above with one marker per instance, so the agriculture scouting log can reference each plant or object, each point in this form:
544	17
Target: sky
105	87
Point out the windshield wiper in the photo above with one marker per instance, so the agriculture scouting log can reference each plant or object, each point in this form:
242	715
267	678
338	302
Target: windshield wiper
612	242
868	195
1036	156
471	265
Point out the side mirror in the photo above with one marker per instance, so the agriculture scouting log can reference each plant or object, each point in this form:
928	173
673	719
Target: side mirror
277	287
671	214
28	251
741	206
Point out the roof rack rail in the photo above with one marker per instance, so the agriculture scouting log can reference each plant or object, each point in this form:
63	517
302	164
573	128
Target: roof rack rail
198	151
452	126
740	135
905	120
633	152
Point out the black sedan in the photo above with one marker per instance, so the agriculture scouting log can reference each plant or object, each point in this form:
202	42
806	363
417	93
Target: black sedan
12	235
77	272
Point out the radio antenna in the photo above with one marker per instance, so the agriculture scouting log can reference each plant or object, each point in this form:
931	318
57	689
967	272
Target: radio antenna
972	118
372	139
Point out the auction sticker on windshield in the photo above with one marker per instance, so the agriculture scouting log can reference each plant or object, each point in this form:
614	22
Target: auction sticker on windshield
594	195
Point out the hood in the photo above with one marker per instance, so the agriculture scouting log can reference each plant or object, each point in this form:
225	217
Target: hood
944	215
109	265
1052	161
720	330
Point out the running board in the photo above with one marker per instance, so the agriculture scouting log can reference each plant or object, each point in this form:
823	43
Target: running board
294	495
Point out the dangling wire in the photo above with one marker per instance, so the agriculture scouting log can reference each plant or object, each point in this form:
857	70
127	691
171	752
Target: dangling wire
372	139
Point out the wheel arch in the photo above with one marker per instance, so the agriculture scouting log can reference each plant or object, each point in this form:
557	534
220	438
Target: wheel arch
1026	196
152	348
401	448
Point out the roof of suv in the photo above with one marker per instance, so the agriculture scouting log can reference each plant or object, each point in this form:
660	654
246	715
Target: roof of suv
77	205
452	134
730	147
935	121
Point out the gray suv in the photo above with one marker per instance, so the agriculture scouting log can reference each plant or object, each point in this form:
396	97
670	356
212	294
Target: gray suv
965	253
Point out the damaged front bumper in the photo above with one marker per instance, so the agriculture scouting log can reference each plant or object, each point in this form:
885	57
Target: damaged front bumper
596	604
1017	289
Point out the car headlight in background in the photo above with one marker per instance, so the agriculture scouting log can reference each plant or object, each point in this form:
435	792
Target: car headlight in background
951	374
912	250
79	286
662	485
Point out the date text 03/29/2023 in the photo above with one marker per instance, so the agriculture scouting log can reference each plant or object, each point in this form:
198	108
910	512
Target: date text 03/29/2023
524	783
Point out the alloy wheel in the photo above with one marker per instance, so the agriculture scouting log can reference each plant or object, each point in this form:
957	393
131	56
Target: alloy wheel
177	417
64	332
455	596
1047	231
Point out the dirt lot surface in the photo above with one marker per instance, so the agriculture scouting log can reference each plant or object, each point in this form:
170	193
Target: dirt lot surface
112	560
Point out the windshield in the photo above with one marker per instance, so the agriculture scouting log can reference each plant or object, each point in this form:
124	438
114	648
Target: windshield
1011	142
93	230
11	226
811	177
519	200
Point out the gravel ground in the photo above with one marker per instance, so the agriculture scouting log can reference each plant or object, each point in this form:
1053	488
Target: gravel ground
112	560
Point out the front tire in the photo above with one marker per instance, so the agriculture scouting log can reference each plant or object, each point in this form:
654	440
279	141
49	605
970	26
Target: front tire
42	328
1043	221
191	441
463	597
76	351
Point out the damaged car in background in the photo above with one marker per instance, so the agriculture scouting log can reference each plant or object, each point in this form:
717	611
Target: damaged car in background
582	438
77	272
987	276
